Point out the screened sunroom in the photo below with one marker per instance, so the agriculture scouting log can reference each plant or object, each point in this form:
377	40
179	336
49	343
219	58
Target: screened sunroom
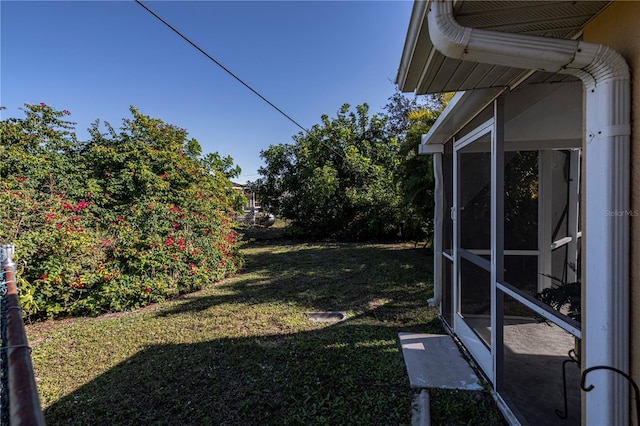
531	160
508	209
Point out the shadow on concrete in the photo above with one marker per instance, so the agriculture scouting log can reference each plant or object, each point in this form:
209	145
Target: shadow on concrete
534	353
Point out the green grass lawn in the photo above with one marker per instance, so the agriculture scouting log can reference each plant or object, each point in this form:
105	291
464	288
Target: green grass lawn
243	352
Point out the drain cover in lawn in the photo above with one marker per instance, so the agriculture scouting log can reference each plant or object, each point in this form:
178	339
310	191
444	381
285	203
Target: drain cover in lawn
327	316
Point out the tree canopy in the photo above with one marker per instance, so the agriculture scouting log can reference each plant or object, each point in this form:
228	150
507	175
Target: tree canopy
337	179
355	176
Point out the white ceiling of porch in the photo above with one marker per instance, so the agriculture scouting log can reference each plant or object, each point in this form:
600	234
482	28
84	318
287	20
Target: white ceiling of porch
425	70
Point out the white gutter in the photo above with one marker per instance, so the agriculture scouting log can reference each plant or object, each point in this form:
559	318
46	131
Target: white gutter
605	75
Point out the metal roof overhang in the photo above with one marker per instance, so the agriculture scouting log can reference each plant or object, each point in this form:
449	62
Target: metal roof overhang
425	70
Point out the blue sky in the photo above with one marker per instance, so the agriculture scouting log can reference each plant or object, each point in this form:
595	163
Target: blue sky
96	58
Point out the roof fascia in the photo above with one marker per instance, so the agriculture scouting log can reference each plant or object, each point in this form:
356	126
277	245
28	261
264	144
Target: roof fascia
459	111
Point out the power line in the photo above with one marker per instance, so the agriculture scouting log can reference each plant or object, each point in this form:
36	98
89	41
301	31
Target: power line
221	66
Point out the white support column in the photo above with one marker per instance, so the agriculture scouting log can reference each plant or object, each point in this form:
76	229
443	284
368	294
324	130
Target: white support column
497	242
455	278
437	232
573	214
545	210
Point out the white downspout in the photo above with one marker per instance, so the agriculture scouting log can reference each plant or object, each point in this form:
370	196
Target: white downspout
605	75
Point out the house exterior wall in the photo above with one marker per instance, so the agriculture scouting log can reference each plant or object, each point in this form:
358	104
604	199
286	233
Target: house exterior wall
617	27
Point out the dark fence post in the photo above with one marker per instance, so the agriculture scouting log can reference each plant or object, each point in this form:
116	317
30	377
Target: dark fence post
4	367
24	403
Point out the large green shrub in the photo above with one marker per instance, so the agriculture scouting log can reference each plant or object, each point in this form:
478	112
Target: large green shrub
125	219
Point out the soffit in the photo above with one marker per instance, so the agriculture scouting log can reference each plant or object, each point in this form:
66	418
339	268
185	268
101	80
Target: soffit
425	70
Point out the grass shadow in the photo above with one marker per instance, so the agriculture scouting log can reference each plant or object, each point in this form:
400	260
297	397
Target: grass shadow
243	353
325	276
345	373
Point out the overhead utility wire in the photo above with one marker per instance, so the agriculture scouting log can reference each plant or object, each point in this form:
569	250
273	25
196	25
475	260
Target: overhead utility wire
221	66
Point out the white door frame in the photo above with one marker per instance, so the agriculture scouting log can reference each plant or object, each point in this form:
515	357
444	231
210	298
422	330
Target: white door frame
465	333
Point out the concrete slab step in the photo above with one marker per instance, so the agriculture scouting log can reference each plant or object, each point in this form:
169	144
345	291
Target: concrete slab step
434	361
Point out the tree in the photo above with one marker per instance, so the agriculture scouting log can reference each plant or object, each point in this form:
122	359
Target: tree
40	179
400	106
415	176
410	118
125	219
337	179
